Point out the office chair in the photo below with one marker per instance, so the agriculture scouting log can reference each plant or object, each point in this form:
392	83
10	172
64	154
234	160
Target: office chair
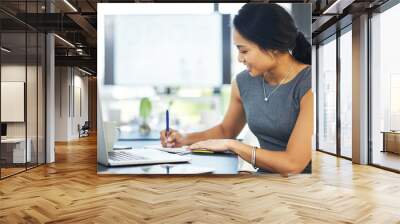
84	130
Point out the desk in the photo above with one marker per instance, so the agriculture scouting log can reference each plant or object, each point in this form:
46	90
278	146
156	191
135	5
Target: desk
220	163
391	141
17	151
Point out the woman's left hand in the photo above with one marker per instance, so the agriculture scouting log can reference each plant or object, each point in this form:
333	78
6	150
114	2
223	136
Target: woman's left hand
216	145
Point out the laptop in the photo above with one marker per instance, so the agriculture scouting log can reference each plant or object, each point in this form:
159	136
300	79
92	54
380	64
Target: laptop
141	156
106	155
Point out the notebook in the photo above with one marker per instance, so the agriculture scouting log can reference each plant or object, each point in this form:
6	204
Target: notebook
183	150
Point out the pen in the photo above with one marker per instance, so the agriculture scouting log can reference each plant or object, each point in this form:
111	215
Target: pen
202	151
167	123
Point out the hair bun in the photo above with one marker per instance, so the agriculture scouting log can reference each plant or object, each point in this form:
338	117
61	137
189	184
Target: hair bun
302	49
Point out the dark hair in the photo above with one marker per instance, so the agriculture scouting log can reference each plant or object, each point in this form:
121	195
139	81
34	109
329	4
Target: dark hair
271	27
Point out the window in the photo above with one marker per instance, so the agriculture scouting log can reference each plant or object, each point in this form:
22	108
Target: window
346	93
327	96
314	89
385	87
22	66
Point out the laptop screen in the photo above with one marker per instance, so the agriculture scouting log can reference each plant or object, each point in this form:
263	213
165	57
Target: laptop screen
3	129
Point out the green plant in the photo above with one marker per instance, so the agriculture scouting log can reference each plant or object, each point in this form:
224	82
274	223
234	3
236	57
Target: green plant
145	108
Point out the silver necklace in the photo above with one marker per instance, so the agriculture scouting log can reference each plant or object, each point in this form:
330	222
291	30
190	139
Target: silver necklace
266	98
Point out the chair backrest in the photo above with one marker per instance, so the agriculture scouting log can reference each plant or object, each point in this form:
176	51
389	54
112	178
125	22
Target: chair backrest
86	125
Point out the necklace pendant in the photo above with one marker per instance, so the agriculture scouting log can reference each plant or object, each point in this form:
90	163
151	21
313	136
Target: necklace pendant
266	99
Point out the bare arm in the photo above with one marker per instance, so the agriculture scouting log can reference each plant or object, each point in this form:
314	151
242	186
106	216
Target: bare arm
230	127
298	151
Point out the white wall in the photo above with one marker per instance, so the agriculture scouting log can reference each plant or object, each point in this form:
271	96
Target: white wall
61	103
13	73
80	100
70	84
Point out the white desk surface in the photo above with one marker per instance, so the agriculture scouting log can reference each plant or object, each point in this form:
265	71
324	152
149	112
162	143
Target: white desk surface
13	140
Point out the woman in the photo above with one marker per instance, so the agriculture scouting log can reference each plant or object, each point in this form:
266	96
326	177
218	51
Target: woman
273	96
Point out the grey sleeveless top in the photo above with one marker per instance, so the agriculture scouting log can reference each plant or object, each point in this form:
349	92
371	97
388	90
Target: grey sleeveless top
272	122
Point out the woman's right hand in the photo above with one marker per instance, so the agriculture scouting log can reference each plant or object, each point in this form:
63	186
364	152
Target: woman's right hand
175	139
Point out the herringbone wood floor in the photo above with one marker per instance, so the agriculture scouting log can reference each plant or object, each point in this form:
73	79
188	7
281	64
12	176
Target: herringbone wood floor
70	191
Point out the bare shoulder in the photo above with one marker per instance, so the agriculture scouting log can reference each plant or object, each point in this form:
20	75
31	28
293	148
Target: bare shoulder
307	99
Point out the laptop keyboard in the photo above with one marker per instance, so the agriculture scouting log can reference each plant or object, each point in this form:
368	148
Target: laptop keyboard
123	156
